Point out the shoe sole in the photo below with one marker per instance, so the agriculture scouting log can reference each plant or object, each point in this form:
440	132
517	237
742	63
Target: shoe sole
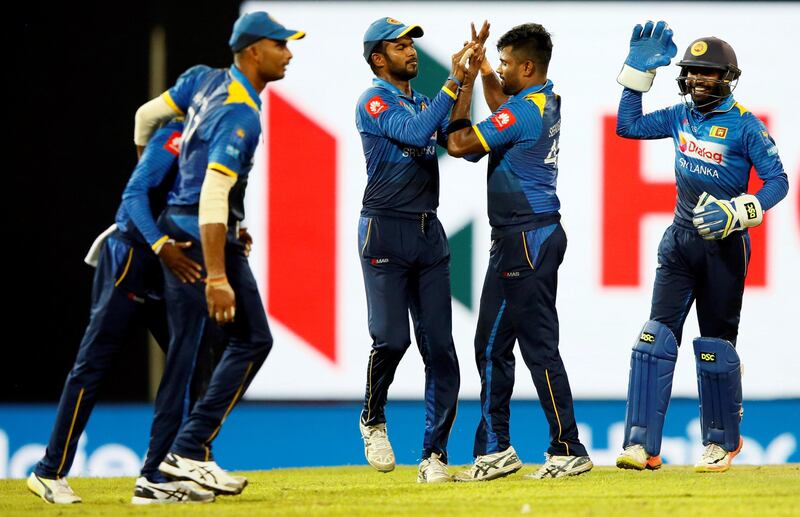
176	473
145	500
724	467
630	464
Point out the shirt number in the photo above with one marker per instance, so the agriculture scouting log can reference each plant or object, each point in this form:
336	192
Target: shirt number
552	156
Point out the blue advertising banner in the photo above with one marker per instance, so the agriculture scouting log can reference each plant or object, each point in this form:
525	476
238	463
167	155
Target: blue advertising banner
260	436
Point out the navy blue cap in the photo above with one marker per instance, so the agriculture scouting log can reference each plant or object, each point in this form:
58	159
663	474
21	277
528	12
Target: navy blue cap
386	29
252	27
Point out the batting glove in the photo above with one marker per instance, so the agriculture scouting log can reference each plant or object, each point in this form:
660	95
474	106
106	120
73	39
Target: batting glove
718	218
651	47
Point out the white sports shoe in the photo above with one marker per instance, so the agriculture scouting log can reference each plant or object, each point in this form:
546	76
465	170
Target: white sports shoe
377	448
492	466
562	466
54	491
147	492
433	470
635	457
205	473
716	459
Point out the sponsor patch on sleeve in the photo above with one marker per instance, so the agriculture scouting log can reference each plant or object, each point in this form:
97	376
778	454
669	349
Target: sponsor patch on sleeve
503	119
375	106
173	143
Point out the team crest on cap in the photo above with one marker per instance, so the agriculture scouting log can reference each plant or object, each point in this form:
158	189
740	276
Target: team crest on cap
504	119
375	106
393	21
699	48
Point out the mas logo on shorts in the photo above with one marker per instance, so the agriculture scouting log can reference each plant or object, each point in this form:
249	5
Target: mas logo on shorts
699	48
647	337
708	357
375	106
378	261
718	132
504	119
173	143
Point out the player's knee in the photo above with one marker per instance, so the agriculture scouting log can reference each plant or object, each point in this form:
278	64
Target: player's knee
396	344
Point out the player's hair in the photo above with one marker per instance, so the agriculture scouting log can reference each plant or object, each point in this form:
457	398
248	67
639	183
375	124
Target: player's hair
379	48
529	41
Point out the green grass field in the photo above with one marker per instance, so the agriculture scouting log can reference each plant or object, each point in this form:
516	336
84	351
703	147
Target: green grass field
745	490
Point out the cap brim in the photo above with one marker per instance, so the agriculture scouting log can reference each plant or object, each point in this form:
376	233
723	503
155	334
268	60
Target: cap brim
287	34
412	31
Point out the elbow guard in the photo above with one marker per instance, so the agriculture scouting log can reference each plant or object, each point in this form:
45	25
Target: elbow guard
150	116
214	198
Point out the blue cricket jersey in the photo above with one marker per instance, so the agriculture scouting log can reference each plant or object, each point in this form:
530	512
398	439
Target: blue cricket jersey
521	137
146	192
713	151
399	134
222	131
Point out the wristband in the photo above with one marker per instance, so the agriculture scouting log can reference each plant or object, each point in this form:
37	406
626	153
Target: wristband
458	125
452	78
160	243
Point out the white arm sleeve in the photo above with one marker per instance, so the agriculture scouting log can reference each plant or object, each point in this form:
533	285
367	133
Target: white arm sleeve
214	198
150	116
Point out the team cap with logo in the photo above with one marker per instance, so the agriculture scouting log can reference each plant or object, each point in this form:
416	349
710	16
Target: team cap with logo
251	27
387	29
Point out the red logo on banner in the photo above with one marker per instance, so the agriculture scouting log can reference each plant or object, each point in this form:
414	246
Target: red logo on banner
302	225
173	143
375	106
628	198
504	119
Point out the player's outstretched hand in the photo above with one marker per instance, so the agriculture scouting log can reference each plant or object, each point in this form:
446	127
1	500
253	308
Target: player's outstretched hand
172	255
651	46
716	219
220	299
481	37
475	65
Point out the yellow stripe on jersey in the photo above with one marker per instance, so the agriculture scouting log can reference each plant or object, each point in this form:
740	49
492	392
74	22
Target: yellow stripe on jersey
125	271
539	99
742	109
237	94
483	140
168	99
218	167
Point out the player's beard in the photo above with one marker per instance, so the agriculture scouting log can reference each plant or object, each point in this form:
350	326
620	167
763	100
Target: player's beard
403	71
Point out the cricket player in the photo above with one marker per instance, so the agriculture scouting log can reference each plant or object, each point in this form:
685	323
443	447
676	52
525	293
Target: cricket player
127	292
402	246
518	302
703	255
222	108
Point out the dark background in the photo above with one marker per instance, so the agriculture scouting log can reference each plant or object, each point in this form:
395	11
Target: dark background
82	72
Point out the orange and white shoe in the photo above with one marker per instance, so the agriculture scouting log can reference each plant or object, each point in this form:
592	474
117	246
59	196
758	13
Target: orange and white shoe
636	458
717	459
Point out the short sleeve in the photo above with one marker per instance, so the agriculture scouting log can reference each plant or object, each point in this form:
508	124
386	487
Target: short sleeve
180	95
234	141
512	122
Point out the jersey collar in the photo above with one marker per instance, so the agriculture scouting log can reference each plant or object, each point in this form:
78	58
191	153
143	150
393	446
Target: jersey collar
238	76
724	107
381	83
547	87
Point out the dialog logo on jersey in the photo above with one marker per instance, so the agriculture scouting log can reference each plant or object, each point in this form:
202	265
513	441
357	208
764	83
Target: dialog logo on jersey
173	143
375	106
504	119
709	152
